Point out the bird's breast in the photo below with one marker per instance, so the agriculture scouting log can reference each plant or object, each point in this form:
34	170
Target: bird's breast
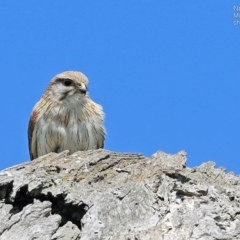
70	130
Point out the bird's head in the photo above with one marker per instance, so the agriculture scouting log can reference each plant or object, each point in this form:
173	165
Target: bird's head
68	85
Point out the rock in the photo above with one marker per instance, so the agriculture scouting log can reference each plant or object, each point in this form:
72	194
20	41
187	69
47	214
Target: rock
100	194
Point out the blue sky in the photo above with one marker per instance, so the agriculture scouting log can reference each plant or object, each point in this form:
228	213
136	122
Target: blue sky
165	72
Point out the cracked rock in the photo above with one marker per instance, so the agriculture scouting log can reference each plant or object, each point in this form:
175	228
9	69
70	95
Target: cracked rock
99	194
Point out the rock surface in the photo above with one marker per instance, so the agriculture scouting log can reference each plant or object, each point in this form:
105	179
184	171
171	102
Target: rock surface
105	195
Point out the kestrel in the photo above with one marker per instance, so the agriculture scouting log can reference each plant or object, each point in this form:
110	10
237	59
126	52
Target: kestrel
65	118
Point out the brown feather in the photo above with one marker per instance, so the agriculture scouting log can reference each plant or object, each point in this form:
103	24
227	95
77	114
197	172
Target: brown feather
31	125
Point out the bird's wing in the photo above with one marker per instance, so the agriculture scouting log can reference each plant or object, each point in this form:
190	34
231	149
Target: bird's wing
101	138
32	141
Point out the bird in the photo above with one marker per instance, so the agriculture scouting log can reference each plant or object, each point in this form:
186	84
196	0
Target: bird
66	118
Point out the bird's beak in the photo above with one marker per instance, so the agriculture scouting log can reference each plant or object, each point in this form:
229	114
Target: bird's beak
83	88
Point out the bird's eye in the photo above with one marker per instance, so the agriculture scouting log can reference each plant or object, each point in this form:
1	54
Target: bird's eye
67	82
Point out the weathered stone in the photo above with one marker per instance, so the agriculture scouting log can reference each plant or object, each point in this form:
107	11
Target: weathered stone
104	195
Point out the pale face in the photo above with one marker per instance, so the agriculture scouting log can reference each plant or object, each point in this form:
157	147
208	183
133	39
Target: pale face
68	85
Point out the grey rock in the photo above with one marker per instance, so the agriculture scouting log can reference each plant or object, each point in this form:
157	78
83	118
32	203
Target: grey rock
105	195
33	221
67	232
